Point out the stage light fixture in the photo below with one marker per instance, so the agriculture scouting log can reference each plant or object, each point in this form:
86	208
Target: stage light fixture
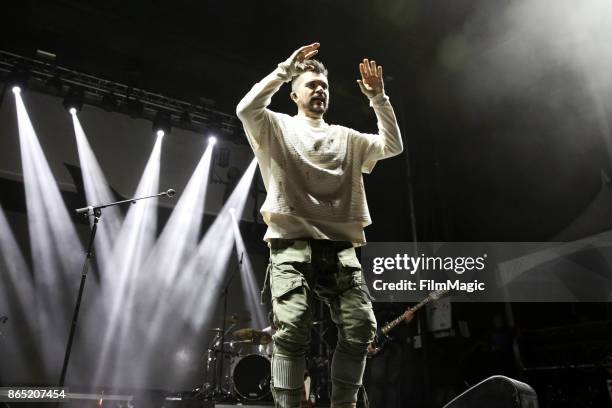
18	78
72	111
214	128
160	133
74	99
162	122
16	90
212	140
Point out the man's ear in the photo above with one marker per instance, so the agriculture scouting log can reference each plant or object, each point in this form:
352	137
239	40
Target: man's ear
293	96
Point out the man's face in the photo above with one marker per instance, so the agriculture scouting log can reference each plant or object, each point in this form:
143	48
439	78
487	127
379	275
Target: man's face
311	94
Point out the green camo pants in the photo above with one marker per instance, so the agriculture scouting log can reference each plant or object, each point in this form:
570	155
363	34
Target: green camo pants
330	270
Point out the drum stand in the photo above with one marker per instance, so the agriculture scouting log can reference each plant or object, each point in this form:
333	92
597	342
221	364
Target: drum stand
215	390
212	388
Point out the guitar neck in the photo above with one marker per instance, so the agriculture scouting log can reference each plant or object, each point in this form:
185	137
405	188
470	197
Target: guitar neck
389	326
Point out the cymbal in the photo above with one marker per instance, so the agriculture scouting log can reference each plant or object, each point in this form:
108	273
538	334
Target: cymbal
253	336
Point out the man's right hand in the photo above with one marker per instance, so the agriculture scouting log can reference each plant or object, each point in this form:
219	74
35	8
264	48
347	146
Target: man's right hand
302	54
408	315
371	349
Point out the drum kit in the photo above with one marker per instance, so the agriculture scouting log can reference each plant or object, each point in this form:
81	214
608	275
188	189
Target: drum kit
239	369
245	372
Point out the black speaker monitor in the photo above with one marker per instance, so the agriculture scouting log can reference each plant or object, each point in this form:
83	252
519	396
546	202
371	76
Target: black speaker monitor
498	392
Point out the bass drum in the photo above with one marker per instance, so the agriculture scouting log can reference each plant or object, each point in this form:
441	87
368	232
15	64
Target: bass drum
251	377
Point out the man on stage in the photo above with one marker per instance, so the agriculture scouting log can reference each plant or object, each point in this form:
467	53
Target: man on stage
316	211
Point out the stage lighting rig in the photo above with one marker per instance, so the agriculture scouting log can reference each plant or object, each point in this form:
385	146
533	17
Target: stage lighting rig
44	75
74	99
162	122
18	78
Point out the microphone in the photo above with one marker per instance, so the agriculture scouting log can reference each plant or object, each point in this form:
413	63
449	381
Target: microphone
85	210
91	210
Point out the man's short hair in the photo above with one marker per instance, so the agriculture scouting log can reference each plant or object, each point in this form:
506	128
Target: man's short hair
312	65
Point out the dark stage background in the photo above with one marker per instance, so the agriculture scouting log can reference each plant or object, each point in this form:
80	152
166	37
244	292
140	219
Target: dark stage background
504	109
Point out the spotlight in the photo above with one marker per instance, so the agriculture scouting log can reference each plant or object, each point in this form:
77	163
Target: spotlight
161	122
74	99
109	102
160	133
213	128
212	140
18	78
72	111
16	90
232	211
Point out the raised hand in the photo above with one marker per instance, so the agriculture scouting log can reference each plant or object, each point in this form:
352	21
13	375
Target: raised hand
371	82
303	53
408	315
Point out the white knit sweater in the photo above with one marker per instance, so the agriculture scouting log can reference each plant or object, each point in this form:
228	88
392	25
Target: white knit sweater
312	170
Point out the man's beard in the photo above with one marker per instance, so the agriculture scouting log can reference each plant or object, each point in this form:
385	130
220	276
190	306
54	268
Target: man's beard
317	105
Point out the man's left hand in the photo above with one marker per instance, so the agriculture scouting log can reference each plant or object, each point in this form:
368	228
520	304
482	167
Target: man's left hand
408	315
371	82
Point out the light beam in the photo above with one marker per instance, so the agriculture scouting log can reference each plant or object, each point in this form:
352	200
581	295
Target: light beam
250	288
120	276
97	191
56	249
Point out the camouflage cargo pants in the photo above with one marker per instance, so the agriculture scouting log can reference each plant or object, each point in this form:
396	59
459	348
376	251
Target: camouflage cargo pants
330	270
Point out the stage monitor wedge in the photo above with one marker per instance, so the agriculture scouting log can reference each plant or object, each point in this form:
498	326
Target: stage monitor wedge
499	392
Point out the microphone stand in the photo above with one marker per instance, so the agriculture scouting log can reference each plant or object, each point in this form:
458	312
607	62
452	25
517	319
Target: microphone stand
3	353
225	291
96	212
